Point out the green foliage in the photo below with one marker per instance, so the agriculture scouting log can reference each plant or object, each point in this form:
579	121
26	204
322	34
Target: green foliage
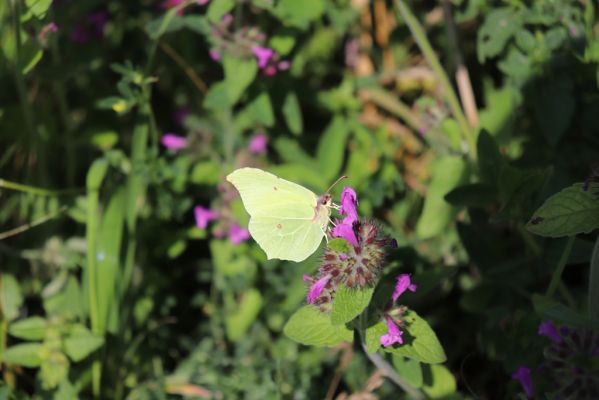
311	327
349	303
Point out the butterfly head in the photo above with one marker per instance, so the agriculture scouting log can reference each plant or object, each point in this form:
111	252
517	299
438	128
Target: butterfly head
325	200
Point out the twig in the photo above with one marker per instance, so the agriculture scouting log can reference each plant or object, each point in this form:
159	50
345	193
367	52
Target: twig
563	261
29	225
189	71
462	76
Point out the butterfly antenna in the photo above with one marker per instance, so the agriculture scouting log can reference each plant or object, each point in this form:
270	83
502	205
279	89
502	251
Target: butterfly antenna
335	183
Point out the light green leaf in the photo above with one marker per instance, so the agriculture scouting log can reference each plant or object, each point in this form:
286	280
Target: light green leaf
239	321
10	296
339	245
409	369
293	113
291	152
239	73
349	303
442	382
206	172
38	7
569	212
373	336
54	369
300	13
257	113
218	8
26	354
420	341
311	327
81	343
32	328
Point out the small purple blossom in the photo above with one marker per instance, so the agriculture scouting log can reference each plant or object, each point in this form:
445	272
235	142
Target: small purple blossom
317	288
258	144
173	142
393	335
523	375
349	201
264	55
548	329
203	216
402	284
46	29
345	231
214	54
237	234
307	278
284	65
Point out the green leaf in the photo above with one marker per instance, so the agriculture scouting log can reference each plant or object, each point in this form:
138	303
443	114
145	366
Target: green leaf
282	44
448	173
10	296
472	195
239	74
569	212
239	321
339	245
499	26
293	113
205	173
81	343
311	327
291	152
96	174
331	148
54	369
300	13
489	158
373	336
349	303
218	8
409	369
32	328
39	8
257	113
554	106
420	341
439	382
26	354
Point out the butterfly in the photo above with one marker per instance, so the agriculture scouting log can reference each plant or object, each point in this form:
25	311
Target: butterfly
287	220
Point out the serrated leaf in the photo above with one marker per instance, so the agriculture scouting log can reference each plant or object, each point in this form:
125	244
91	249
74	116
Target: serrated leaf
26	354
409	369
81	343
311	327
373	336
569	212
32	328
349	303
293	113
420	341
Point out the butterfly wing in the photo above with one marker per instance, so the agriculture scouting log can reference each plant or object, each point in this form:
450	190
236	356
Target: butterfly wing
285	219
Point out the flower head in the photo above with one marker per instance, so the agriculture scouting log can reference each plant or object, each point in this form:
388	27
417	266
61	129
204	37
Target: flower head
393	335
548	329
523	375
264	55
237	234
173	142
258	144
316	288
203	216
345	231
349	202
402	284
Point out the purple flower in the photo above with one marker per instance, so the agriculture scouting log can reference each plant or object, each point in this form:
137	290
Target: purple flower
317	288
237	234
173	142
349	201
284	65
307	278
202	2
214	55
548	329
345	231
393	335
46	29
203	216
402	284
258	144
522	374
263	54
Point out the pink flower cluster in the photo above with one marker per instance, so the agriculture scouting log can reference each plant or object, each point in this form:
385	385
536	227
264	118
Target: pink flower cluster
203	216
268	61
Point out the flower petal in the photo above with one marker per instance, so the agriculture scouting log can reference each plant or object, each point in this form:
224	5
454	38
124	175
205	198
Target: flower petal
523	375
317	288
402	284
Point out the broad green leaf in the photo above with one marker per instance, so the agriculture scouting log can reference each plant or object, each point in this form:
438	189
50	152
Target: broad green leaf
32	328
300	13
26	354
441	384
420	341
282	44
499	26
205	173
10	296
104	140
54	369
38	8
217	97
291	152
408	369
569	212
69	302
239	321
239	74
311	327
349	303
218	8
258	113
293	113
373	336
448	173
81	343
96	174
331	148
230	259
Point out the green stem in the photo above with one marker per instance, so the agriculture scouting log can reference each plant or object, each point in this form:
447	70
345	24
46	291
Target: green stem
593	295
557	274
4	184
433	61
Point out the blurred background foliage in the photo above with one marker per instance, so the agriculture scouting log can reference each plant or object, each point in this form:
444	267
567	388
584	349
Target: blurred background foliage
109	288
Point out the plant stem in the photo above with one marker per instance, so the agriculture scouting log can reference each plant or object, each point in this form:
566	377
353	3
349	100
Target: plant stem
4	184
557	274
29	225
593	295
433	61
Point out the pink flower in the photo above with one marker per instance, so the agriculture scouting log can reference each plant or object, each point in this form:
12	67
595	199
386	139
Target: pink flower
203	216
349	201
214	55
202	2
522	374
46	29
173	142
263	54
317	288
548	329
284	65
237	234
258	144
402	284
393	335
345	231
